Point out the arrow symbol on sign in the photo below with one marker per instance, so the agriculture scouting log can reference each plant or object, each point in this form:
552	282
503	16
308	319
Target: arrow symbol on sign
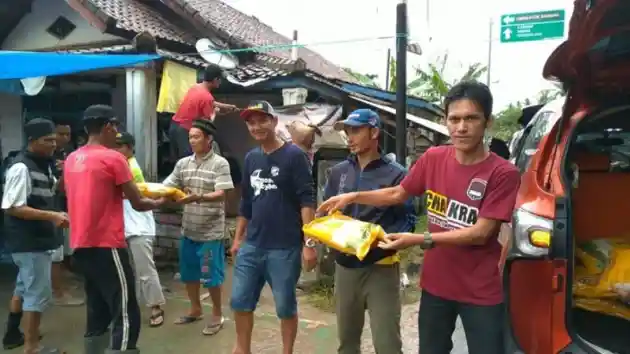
508	19
507	33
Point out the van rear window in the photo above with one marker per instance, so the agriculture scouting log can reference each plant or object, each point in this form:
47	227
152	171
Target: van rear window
615	142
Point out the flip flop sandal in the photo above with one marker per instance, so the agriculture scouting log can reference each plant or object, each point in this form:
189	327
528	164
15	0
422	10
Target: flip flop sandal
156	319
213	328
184	320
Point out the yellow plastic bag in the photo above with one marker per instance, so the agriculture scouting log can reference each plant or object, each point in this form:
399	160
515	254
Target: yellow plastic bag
602	277
158	190
345	234
608	307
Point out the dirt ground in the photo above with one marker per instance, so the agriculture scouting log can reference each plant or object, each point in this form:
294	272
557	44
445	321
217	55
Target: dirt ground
63	327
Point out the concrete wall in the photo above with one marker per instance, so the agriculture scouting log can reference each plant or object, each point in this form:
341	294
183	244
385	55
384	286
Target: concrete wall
31	33
10	123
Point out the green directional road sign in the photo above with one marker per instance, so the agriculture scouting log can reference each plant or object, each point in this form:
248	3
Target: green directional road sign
532	26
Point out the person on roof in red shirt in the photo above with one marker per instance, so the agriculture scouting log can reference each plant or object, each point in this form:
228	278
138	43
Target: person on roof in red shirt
96	177
470	192
197	104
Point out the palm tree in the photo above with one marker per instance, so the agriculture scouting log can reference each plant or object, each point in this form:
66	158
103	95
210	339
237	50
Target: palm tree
432	85
548	95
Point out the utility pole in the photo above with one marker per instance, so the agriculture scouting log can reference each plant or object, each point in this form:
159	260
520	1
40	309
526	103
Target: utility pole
489	67
428	14
388	142
389	63
402	34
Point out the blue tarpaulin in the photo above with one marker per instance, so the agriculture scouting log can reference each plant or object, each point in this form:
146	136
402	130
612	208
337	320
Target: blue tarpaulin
21	65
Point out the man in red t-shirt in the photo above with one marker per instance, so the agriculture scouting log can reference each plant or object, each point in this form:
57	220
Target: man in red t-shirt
470	192
197	104
95	179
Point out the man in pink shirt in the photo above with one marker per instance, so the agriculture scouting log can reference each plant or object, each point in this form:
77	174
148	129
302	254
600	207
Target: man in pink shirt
96	177
198	103
470	193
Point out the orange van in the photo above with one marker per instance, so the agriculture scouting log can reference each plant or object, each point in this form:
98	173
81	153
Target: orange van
575	162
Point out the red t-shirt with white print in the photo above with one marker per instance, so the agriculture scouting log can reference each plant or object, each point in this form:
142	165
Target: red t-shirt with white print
93	179
457	196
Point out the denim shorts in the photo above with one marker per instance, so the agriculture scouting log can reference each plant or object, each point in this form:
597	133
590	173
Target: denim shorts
254	266
33	282
202	262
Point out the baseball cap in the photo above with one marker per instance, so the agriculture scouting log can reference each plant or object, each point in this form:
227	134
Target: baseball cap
359	118
125	139
100	112
263	107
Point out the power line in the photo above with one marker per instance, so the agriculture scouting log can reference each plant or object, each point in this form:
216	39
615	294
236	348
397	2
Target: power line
274	47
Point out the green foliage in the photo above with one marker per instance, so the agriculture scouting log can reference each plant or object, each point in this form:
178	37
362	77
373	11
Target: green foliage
546	96
368	80
505	123
392	74
431	83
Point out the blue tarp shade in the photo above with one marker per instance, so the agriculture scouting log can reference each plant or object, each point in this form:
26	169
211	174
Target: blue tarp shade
21	65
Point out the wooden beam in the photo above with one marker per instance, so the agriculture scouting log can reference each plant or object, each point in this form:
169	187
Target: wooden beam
89	14
89	45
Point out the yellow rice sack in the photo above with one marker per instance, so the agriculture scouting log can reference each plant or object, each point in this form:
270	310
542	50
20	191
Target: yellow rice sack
158	190
609	307
344	234
602	277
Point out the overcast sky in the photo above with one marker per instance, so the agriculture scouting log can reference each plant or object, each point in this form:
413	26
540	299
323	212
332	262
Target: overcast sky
459	27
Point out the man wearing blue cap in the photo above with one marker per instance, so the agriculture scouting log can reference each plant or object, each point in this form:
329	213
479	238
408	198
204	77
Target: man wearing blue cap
373	283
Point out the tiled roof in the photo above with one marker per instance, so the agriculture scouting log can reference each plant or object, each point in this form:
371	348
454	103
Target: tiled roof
242	73
134	16
137	16
253	32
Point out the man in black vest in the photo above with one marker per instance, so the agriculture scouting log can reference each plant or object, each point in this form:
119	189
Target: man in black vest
30	220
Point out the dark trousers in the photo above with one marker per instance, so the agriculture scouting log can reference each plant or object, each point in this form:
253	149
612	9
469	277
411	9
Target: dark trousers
483	326
110	295
178	140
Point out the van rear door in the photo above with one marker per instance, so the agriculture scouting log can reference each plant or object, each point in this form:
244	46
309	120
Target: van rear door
533	281
594	62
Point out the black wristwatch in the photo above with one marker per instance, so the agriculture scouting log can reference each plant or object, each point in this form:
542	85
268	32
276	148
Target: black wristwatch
427	241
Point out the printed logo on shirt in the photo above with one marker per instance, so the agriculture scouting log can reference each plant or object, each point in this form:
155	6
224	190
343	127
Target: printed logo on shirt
449	213
342	182
275	171
476	189
260	184
79	163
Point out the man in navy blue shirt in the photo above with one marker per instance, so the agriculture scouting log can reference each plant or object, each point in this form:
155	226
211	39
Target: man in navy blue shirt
374	283
278	197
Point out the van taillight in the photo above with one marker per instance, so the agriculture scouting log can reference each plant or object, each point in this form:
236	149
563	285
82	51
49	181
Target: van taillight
532	233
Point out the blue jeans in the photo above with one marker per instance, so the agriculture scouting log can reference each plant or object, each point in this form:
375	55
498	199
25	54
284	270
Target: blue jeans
33	282
254	266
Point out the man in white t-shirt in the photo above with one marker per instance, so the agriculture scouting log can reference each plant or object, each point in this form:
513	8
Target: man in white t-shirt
140	233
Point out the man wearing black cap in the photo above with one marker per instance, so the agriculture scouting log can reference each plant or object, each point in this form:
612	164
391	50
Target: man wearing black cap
278	198
206	176
96	177
30	221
